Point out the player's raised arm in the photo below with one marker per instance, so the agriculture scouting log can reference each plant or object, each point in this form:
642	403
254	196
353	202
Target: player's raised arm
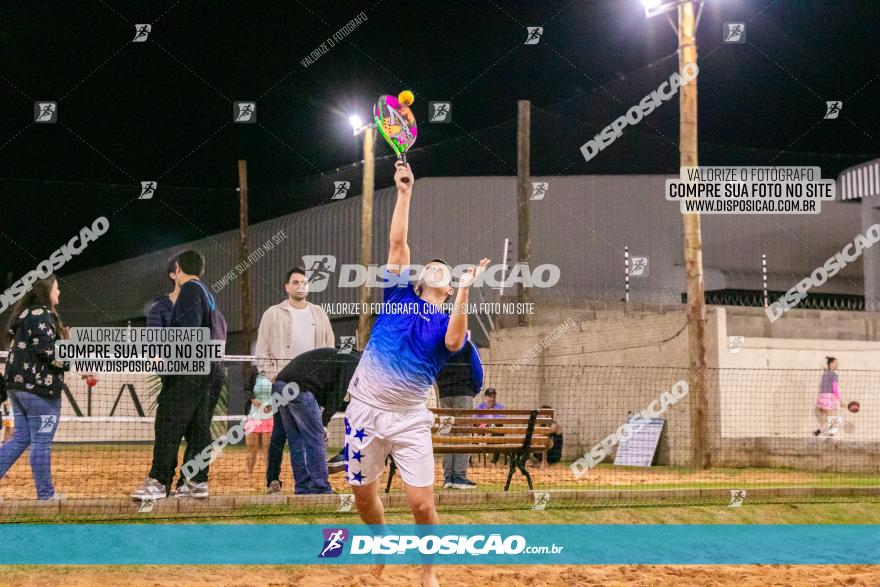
398	249
458	323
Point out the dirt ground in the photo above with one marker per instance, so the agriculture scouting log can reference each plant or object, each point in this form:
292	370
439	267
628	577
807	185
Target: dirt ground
459	576
84	471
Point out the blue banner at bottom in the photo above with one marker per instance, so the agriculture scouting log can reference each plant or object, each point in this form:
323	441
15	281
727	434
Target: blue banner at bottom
255	544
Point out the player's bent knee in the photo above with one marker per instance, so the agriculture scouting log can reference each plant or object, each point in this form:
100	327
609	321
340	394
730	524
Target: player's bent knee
422	507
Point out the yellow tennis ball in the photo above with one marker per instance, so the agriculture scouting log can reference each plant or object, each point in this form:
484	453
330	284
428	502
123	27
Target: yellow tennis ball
406	98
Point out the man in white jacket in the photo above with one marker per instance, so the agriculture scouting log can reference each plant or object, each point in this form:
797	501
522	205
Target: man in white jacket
287	330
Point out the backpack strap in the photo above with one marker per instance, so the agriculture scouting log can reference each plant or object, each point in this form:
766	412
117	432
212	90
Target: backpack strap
211	301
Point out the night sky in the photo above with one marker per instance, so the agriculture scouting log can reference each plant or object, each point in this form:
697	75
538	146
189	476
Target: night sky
162	109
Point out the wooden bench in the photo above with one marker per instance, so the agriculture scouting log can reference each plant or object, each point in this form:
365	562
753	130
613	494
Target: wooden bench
516	433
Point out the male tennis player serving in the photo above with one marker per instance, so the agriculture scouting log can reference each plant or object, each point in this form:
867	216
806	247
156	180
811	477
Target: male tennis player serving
409	344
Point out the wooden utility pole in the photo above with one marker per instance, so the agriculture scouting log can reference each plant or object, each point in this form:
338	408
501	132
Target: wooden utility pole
693	246
245	304
523	154
363	333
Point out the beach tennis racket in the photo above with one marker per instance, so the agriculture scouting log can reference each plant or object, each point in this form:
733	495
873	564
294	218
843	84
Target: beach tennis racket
397	123
853	407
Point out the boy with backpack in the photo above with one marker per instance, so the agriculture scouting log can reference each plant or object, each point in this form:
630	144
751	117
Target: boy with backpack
186	402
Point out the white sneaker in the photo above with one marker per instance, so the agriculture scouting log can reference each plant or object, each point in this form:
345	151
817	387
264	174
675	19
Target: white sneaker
55	497
151	490
274	487
190	489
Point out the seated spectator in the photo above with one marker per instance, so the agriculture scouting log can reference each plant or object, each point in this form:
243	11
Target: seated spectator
554	453
490	403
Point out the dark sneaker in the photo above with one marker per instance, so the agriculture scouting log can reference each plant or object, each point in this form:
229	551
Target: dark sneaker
463	484
274	487
447	483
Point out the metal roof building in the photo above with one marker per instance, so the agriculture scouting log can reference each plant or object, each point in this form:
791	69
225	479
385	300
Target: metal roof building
581	225
861	183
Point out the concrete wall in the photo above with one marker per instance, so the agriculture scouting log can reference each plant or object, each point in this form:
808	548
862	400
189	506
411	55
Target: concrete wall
616	359
587	374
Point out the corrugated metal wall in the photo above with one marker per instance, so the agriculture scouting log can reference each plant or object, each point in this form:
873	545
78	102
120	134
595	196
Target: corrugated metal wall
581	225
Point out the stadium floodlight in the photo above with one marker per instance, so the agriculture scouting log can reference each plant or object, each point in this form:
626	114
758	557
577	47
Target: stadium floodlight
355	121
657	7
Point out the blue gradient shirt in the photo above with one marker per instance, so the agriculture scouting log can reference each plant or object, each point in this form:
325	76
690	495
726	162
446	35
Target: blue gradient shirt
406	351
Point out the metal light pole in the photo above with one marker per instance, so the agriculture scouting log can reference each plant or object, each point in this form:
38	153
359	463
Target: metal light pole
693	245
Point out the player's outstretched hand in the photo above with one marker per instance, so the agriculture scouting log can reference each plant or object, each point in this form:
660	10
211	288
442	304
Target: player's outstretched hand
472	273
403	177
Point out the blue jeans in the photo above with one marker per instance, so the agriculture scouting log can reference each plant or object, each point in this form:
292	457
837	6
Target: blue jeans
305	437
276	449
36	420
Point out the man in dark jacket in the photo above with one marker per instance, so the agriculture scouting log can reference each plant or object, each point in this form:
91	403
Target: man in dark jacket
186	402
323	376
459	381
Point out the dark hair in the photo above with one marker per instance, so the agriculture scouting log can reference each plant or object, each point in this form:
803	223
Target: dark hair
191	262
490	391
40	294
296	269
829	360
171	267
436	260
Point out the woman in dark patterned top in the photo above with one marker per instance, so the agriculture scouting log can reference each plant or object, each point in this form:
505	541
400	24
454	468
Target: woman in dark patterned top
34	381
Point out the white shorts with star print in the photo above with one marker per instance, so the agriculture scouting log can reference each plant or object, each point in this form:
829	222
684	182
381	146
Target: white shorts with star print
371	434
